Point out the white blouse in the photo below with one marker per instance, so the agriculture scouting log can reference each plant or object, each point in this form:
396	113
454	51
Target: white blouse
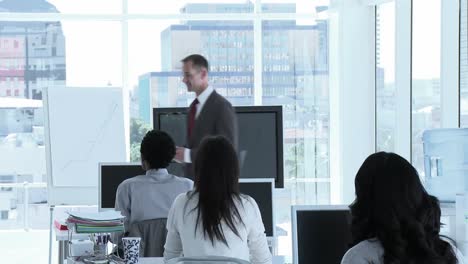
183	240
371	251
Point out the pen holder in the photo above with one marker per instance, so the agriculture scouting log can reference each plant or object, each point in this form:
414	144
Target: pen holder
100	245
100	249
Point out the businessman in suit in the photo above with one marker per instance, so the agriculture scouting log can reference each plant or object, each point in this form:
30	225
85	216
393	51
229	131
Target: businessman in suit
209	114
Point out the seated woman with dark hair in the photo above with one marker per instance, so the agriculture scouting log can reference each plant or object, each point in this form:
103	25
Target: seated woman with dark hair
394	219
215	219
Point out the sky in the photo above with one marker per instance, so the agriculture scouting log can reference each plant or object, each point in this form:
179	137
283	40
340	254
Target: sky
426	39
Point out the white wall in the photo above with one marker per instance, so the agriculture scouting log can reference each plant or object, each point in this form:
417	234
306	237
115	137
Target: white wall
352	94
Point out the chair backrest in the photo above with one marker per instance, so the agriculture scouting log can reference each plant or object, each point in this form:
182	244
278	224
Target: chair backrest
153	236
207	260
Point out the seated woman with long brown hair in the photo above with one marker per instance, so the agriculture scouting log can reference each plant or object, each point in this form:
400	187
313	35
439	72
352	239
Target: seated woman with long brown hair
215	219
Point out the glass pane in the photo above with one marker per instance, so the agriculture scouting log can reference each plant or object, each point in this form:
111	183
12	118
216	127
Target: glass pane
11	208
93	58
426	100
154	64
295	75
228	46
32	56
464	64
385	77
35	55
190	6
62	6
316	8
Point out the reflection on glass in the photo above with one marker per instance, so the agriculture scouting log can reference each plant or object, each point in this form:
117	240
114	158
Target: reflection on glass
426	98
385	76
31	6
315	8
32	57
81	53
295	75
35	55
62	6
464	64
190	6
94	59
228	46
157	82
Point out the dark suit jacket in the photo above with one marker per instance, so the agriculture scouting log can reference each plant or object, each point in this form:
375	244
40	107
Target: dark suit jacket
217	117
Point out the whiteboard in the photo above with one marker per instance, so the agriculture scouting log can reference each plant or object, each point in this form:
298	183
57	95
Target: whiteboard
83	126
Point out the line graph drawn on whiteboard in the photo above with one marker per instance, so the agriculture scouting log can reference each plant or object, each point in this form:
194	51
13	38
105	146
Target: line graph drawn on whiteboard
84	126
98	139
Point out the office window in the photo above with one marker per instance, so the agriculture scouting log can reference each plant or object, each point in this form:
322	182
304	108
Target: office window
82	63
463	63
190	6
425	79
89	51
157	82
295	75
385	77
93	58
81	7
298	7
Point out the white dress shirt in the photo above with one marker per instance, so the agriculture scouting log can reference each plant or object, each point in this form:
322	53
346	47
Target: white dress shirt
201	101
184	240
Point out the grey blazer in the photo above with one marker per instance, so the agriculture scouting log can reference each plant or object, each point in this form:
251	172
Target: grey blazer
217	117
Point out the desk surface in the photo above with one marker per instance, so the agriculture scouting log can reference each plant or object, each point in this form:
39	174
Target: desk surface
151	260
141	261
276	260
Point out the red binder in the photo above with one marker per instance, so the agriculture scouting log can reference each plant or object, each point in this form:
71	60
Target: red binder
60	225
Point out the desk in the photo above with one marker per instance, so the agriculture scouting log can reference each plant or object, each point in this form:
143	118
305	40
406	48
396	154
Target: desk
141	261
151	260
276	260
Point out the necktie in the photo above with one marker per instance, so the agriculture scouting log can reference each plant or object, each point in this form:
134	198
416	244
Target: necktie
192	113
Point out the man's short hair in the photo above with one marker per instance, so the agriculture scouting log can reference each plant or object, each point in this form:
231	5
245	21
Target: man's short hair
158	149
197	61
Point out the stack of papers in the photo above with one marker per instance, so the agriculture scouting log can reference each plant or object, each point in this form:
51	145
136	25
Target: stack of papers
103	222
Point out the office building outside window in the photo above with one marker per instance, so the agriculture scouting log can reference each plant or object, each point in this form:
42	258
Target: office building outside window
463	63
385	77
92	51
425	79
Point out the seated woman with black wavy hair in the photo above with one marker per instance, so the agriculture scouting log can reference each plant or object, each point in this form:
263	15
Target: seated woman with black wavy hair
394	219
215	219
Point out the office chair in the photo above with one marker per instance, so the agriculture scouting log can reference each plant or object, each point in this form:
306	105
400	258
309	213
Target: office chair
153	236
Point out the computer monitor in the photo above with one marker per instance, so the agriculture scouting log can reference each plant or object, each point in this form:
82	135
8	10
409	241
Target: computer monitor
261	190
110	176
321	234
260	139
